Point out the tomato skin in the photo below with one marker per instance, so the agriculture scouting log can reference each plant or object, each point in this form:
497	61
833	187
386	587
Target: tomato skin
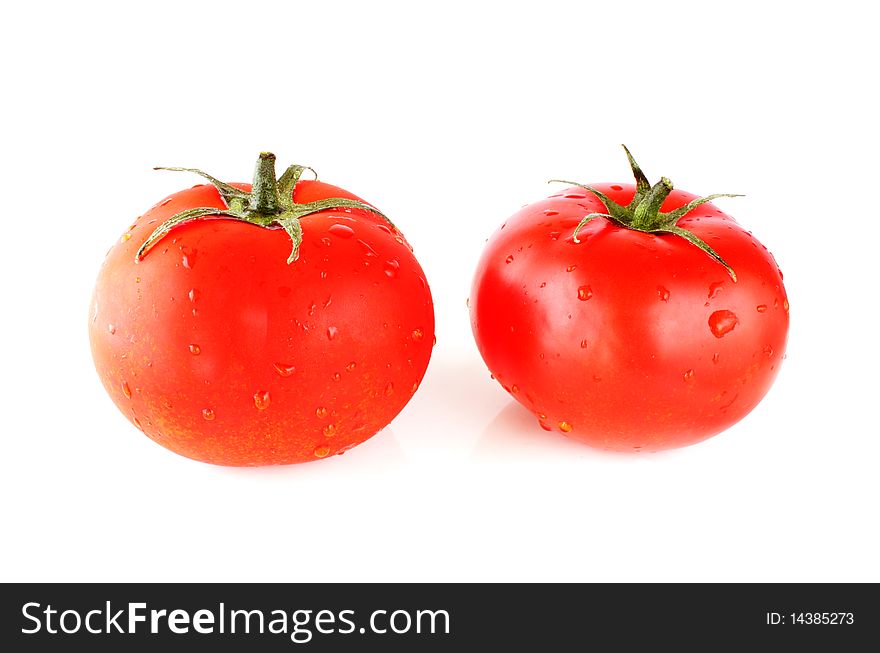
628	340
219	350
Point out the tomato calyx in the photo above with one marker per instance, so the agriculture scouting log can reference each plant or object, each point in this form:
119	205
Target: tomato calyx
269	204
643	212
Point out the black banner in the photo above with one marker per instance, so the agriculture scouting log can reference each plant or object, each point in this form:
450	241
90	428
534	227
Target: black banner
428	617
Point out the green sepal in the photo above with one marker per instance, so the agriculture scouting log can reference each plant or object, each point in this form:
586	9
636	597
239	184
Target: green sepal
270	203
643	212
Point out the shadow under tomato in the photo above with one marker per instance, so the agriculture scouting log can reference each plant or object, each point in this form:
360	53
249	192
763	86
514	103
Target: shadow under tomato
515	435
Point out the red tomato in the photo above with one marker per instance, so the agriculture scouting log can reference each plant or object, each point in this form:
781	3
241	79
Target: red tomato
629	339
220	350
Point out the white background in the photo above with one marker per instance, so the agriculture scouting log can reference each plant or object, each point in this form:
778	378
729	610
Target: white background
448	118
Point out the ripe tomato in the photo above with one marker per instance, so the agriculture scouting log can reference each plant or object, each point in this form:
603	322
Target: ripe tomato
626	335
217	347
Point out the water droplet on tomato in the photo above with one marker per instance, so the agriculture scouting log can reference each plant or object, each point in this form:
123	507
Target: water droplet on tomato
341	231
571	268
188	260
384	227
329	430
583	344
575	196
554	235
415	386
688	375
125	237
544	426
262	399
663	294
549	212
761	308
391	268
323	274
111	328
208	414
331	332
785	305
337	376
195	350
368	250
322	451
584	293
283	369
768	351
350	367
321	412
137	423
722	322
565	427
326	241
126	390
514	389
417	334
715	358
389	389
715	288
509	259
434	342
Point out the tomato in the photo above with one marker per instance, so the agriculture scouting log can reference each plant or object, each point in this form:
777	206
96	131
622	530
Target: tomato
644	330
226	340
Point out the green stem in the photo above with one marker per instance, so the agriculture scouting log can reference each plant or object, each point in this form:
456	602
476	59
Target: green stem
264	196
647	210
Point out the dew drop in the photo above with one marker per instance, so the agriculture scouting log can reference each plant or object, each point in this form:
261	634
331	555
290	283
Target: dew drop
663	294
262	399
417	334
583	344
111	328
126	390
544	426
312	308
350	367
391	268
321	412
616	187
514	389
584	293
509	259
761	308
138	424
768	351
554	235
322	451
368	250
385	228
208	414
125	237
688	375
785	305
331	332
323	274
565	427
329	430
337	376
341	231
715	288
571	268
722	322
389	389
543	284
549	213
195	350
326	241
188	261
167	200
715	358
